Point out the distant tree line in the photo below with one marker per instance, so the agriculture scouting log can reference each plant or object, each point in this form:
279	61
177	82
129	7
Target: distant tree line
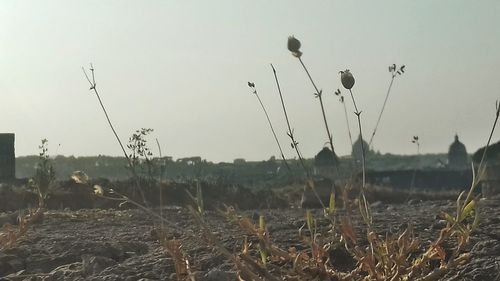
239	171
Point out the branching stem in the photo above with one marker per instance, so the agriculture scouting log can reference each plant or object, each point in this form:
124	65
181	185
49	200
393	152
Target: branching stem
320	97
295	144
382	110
347	123
363	158
93	86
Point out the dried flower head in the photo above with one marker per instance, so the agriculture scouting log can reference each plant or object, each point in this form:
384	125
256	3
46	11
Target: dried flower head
347	79
80	177
98	190
294	46
395	71
252	86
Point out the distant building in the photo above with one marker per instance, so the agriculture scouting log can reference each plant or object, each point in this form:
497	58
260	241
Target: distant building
7	157
324	163
453	173
458	159
239	161
357	150
190	160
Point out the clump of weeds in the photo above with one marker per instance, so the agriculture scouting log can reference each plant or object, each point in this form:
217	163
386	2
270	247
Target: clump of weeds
147	168
143	168
372	255
45	174
400	256
42	182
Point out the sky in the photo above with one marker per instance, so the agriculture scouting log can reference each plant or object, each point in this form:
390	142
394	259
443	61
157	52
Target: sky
182	67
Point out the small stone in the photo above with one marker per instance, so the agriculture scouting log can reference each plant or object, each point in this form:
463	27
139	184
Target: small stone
92	265
219	275
414	202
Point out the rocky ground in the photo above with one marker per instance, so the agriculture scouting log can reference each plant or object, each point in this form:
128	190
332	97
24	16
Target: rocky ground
122	245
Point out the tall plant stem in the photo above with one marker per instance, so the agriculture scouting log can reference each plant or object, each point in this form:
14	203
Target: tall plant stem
107	118
272	129
319	95
160	183
382	110
347	123
93	86
412	183
363	206
480	168
295	144
363	158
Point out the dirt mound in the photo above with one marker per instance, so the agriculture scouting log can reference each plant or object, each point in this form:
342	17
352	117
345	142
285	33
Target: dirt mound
70	195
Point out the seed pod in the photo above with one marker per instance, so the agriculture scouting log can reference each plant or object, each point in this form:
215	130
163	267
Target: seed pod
294	46
347	79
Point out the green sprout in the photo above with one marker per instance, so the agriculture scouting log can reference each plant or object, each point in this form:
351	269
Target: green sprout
262	248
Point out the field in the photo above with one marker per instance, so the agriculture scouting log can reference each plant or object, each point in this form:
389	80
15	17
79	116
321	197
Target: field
99	244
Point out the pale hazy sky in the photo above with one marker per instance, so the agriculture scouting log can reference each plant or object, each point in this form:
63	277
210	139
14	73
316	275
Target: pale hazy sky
181	68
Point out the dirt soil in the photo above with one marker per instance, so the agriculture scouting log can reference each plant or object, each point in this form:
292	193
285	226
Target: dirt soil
95	244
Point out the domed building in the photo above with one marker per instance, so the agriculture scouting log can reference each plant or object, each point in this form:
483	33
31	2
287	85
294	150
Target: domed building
458	159
357	150
325	162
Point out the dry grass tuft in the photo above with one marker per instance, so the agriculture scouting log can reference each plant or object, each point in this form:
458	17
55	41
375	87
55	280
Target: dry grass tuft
182	267
10	234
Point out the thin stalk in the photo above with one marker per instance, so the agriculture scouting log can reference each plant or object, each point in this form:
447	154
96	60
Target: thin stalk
160	183
412	183
358	115
319	95
295	144
347	122
126	199
160	154
272	128
480	168
382	110
93	86
364	207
